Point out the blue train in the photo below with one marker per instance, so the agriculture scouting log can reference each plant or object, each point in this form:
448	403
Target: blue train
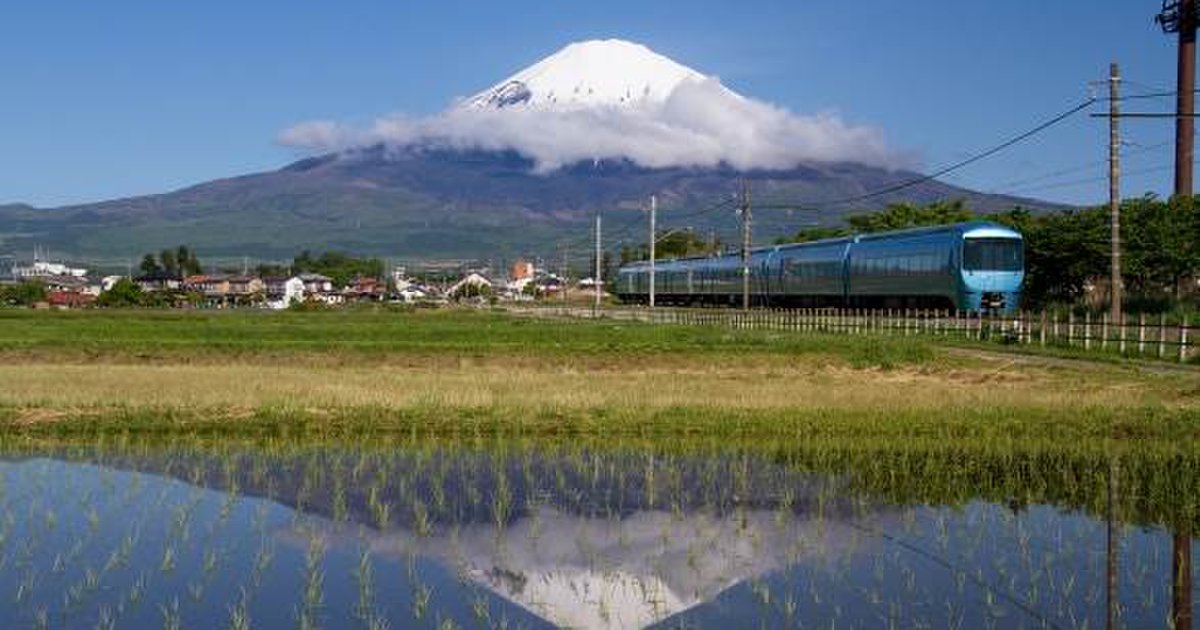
975	266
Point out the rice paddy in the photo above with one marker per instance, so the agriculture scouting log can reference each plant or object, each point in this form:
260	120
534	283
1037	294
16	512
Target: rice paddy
600	535
468	469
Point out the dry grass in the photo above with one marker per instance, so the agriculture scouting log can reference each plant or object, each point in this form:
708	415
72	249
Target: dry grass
801	385
372	370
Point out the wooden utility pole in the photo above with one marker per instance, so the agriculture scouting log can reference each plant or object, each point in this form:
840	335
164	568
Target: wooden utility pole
1179	16
1114	193
653	237
1185	99
746	226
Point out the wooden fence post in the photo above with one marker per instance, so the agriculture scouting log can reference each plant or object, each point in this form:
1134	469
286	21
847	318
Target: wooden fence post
1141	334
1121	330
1162	335
1042	331
1087	330
1104	330
1183	340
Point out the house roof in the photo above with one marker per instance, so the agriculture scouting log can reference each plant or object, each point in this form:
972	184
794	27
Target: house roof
158	276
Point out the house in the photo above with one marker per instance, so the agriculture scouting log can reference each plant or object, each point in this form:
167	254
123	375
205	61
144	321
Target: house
521	270
159	281
412	293
246	288
365	289
283	292
69	299
107	282
211	286
472	285
45	269
316	284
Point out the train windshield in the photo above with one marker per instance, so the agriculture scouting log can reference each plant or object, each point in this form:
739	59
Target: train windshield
992	254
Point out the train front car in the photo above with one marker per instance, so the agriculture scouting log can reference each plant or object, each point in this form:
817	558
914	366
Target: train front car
992	268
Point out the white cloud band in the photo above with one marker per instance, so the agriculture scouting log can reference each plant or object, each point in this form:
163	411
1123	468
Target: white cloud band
699	124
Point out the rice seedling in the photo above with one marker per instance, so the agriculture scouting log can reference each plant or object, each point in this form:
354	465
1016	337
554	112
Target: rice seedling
420	600
138	589
170	615
364	579
167	564
239	612
314	580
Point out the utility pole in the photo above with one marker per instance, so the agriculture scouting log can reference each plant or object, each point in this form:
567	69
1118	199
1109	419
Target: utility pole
1114	192
1179	16
653	237
566	267
597	276
746	225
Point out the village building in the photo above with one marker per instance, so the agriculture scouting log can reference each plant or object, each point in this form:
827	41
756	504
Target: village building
366	289
159	281
473	285
316	284
45	269
282	292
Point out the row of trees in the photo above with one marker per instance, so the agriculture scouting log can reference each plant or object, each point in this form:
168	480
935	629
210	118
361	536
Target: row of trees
673	244
1065	251
180	261
340	267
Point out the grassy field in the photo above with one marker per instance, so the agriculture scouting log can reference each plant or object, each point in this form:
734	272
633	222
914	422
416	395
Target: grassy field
467	373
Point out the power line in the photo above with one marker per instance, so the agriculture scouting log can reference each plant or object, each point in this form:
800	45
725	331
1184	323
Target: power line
1091	180
1052	121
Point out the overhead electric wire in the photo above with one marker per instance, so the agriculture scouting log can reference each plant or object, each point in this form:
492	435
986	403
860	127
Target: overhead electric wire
1048	123
1098	178
623	231
1022	183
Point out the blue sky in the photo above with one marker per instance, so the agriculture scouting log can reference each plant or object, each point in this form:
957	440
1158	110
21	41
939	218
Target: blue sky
103	100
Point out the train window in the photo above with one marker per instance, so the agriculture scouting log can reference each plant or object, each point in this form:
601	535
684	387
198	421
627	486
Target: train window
992	254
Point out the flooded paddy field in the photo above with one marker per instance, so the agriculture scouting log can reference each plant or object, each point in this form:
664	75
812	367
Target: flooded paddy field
527	533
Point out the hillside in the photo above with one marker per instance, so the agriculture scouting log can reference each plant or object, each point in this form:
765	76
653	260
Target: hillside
439	203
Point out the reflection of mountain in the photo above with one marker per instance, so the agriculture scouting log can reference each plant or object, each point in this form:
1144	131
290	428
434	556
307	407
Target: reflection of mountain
589	543
629	572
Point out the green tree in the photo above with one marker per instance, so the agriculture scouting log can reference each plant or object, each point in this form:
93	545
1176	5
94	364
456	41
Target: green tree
124	293
1161	245
168	261
25	293
189	264
149	265
672	244
340	267
898	216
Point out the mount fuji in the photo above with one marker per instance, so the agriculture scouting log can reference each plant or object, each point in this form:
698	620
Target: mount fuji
598	73
519	168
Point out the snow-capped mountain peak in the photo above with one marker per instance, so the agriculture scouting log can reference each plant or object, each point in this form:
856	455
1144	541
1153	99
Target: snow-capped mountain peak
595	73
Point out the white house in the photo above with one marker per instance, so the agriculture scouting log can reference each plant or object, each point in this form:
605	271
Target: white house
473	280
293	291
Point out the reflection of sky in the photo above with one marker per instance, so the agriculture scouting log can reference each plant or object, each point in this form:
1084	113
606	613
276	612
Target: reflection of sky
586	567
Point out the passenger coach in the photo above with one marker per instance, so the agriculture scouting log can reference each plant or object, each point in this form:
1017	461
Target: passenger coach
976	266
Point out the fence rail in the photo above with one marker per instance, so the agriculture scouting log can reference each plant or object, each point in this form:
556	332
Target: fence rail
1135	336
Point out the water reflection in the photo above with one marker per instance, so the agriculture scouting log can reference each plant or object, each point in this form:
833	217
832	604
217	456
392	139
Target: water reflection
537	536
